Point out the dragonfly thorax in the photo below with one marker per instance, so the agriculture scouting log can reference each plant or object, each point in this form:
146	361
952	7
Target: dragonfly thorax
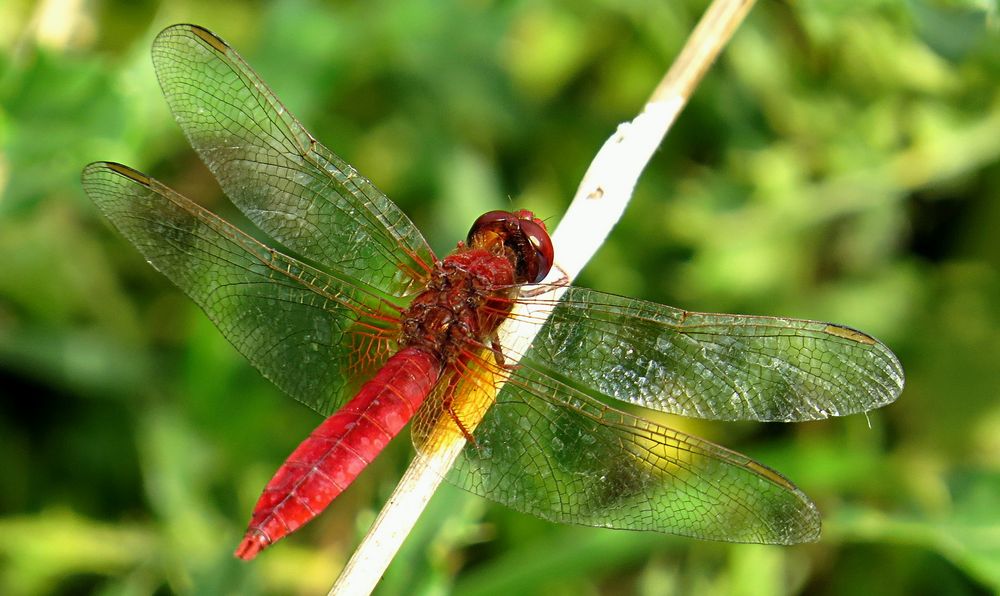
469	295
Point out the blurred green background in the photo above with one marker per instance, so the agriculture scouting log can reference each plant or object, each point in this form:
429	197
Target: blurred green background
840	162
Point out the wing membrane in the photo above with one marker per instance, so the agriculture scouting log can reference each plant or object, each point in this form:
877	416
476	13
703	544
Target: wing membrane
307	331
292	187
547	449
725	367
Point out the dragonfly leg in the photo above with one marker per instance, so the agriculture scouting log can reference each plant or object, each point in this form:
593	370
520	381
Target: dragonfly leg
449	405
562	280
497	350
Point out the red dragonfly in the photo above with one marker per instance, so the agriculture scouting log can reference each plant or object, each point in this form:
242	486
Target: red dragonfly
367	326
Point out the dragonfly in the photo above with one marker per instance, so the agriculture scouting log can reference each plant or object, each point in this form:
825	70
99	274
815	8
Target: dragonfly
347	309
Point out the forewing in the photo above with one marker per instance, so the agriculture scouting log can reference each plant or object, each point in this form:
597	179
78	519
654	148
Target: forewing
716	366
307	331
285	181
546	449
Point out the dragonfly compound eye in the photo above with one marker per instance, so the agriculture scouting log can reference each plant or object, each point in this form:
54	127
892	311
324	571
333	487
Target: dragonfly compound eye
541	245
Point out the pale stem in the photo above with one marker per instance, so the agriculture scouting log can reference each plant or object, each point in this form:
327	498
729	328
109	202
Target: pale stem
598	205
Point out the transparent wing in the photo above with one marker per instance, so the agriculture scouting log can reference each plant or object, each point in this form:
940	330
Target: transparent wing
307	331
292	187
547	449
726	367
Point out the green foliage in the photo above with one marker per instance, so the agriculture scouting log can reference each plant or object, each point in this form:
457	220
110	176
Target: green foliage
840	163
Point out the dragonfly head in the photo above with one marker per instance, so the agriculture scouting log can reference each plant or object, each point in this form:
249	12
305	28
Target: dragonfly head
521	235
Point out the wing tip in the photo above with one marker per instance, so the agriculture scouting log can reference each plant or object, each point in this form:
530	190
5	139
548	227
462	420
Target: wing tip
796	521
892	368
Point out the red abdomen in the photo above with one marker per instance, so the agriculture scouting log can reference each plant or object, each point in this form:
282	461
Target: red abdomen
335	453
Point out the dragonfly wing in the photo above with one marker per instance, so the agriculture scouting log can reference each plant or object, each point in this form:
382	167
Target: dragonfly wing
547	449
292	187
305	330
716	366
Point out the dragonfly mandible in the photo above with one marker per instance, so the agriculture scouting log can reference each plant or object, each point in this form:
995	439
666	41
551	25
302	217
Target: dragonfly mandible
350	312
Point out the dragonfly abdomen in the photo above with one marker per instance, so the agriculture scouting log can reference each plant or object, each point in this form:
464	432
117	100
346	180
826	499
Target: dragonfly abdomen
339	449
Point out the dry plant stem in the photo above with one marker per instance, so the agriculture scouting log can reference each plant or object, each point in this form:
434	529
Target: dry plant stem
599	203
